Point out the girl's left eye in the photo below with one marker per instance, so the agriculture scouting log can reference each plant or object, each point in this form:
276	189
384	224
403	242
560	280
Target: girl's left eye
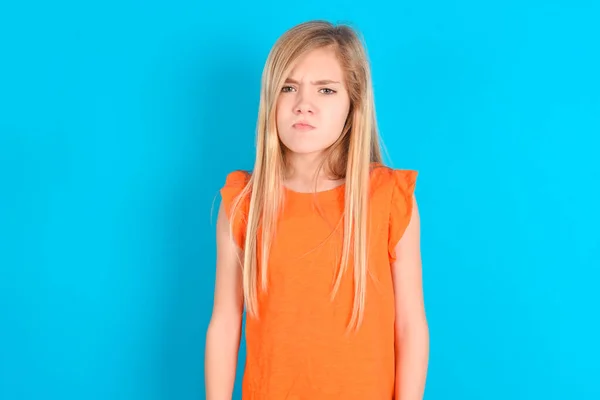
327	91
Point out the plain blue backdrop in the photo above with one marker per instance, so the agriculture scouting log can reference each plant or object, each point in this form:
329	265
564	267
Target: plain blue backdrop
119	121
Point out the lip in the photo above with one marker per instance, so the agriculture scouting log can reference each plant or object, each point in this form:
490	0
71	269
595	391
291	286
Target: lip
303	126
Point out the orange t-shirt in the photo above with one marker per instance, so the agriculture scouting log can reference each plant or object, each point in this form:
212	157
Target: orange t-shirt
298	347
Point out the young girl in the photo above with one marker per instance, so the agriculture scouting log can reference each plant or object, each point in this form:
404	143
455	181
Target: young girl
320	242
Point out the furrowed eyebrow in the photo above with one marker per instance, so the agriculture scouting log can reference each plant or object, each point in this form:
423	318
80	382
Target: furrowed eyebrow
318	83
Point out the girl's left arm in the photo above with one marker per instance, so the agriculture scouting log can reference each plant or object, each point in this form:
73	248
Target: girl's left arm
412	331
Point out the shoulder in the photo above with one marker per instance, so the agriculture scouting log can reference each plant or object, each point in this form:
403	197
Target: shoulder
235	203
237	178
234	185
393	199
391	180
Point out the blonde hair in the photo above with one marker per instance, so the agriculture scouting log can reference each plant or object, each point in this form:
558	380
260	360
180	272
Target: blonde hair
350	157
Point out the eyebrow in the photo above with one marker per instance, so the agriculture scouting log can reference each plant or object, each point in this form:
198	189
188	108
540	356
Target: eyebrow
318	83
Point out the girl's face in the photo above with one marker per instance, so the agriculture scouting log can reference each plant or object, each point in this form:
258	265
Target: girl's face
313	104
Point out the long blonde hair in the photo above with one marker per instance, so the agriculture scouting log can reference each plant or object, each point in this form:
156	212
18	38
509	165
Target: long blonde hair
350	157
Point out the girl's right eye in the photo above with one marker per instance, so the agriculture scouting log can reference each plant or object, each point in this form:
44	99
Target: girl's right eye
287	89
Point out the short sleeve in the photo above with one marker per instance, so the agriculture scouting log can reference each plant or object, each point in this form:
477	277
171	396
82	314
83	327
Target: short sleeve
234	184
403	188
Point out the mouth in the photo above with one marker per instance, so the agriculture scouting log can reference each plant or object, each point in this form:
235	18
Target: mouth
302	126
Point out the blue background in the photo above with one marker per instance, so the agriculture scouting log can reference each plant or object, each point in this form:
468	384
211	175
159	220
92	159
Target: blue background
119	121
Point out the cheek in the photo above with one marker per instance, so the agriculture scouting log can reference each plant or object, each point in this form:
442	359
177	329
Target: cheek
282	112
338	114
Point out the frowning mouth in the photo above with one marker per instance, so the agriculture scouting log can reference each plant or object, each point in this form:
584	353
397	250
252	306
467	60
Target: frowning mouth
302	126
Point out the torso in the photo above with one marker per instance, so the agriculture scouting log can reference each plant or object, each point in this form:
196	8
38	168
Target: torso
299	347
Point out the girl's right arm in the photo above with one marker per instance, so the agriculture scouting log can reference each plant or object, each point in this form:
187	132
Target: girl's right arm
224	331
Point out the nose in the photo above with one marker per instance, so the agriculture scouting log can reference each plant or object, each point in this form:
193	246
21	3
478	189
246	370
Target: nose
303	104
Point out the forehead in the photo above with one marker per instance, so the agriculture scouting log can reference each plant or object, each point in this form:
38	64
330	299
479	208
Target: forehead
318	63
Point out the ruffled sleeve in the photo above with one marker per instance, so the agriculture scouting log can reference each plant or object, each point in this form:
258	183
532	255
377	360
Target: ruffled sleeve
403	188
234	184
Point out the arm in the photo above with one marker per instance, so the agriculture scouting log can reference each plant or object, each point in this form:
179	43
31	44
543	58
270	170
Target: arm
412	332
224	330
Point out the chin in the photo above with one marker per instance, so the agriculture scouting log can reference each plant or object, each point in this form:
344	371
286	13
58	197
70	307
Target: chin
301	144
303	150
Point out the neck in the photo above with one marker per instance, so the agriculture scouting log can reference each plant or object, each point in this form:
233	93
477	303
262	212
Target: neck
302	173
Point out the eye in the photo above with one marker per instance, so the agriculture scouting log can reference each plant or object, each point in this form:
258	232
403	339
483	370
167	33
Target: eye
327	91
287	89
